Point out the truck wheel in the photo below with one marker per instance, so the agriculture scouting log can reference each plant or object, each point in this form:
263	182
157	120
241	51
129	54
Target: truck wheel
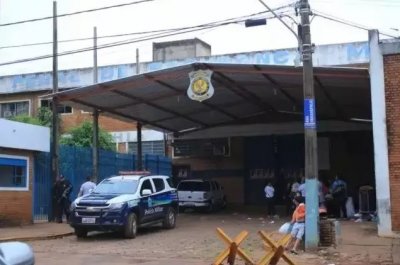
80	232
130	229
210	208
223	203
170	219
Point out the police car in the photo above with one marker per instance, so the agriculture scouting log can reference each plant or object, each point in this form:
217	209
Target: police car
125	202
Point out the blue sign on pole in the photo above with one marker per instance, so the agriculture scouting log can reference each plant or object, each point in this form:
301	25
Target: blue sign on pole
309	114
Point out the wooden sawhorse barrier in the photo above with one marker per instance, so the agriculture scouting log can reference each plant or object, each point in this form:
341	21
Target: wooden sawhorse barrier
233	249
275	250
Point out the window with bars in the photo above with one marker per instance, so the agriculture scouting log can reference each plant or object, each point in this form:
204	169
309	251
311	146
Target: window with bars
13	173
62	109
148	147
12	109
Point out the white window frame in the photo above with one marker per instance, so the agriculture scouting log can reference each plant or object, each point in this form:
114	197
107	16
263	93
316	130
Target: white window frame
40	105
26	188
20	100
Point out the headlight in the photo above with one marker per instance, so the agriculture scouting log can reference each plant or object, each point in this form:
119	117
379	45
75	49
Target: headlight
118	205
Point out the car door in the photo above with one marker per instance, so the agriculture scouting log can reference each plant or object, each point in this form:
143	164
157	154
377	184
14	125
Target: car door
161	198
146	201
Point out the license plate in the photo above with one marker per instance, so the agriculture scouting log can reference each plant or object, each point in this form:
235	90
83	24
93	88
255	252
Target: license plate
88	220
188	203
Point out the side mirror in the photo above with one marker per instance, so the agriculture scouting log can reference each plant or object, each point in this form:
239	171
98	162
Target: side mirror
146	192
15	253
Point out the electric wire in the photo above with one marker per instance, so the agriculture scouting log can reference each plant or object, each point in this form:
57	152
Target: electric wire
145	38
347	22
74	13
131	33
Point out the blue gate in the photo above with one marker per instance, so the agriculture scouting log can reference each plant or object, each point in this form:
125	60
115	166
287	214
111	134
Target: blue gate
158	165
76	164
42	185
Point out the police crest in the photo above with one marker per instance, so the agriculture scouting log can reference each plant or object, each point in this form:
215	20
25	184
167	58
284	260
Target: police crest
200	87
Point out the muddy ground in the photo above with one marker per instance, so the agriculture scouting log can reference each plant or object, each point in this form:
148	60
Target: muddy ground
194	241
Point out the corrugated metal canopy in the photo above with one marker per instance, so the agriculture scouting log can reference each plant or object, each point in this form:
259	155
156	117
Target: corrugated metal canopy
243	94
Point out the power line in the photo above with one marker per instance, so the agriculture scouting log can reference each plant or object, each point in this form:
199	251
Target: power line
130	41
347	22
75	13
129	34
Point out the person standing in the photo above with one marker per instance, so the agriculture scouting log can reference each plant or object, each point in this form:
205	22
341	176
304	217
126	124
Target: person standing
87	187
302	188
62	190
339	194
269	195
293	189
298	222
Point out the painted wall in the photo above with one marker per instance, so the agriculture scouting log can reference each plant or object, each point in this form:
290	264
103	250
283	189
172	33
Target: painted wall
16	206
325	55
19	135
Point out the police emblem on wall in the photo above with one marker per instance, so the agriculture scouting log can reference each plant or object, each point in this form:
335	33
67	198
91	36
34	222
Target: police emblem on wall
200	87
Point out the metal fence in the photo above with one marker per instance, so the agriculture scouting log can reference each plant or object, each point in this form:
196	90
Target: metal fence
76	164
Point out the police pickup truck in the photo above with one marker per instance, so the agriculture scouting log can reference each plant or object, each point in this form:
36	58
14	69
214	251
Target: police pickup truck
125	202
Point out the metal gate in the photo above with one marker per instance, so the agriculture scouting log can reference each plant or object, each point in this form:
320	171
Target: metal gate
76	164
42	185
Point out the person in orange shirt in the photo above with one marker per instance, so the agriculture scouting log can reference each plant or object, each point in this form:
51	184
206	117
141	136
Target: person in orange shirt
298	222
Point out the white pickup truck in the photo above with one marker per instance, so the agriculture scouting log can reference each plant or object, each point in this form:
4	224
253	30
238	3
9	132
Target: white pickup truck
201	194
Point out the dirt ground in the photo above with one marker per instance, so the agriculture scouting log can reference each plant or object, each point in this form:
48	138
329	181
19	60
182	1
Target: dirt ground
194	241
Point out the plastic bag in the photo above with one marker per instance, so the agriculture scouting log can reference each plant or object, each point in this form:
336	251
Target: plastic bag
286	228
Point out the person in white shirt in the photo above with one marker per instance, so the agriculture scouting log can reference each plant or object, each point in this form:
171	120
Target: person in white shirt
269	195
302	188
86	187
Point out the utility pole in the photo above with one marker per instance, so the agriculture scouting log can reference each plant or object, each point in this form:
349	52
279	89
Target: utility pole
54	106
310	120
139	165
95	146
310	129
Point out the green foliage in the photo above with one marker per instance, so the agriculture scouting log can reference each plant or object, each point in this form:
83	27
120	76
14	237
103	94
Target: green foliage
26	119
43	117
82	136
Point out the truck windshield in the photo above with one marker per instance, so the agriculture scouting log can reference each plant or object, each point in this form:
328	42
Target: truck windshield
120	186
194	186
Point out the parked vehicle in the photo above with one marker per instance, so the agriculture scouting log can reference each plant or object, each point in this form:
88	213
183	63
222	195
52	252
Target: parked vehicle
201	194
16	253
124	203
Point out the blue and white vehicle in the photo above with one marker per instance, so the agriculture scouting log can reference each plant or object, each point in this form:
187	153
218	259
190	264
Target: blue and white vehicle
124	203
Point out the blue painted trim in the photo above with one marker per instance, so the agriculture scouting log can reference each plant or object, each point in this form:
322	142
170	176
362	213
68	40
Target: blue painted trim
12	162
312	214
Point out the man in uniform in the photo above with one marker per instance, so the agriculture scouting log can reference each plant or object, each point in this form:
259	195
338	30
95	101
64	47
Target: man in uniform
62	190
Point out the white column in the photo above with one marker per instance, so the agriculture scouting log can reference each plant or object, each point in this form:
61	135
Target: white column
377	79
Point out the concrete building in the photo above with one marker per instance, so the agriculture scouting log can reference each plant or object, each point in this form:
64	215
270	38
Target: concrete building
20	94
385	88
180	50
18	143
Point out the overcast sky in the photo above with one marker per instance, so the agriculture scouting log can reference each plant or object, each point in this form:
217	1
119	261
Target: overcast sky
162	14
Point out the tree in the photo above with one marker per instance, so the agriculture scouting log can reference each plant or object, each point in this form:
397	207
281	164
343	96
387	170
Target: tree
82	136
